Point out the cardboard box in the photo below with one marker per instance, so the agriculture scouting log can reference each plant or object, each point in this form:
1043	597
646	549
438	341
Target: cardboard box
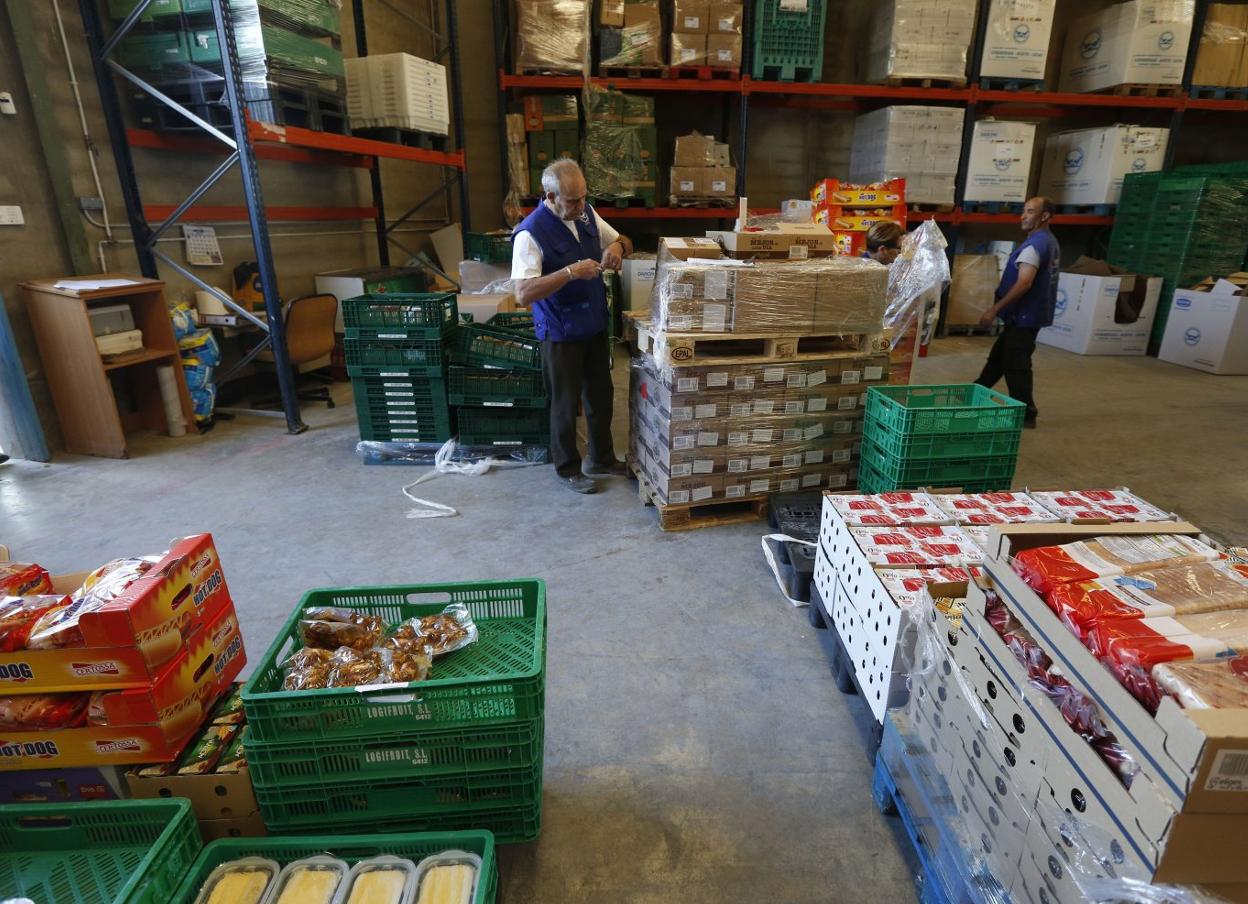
611	13
920	39
642	39
683	249
250	826
217	795
58	785
919	144
1101	310
1208	330
719	182
971	291
689	17
724	17
688	50
637	278
1138	42
686	181
816	241
723	51
1221	58
695	149
1016	42
147	726
484	306
1000	163
1087	166
774	298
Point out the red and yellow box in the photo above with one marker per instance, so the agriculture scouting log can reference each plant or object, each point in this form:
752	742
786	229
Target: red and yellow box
129	638
840	218
149	725
850	242
832	192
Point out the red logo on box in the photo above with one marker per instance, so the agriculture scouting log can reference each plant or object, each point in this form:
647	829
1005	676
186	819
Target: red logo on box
121	745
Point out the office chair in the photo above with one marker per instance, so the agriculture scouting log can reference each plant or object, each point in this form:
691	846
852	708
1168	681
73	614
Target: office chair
309	337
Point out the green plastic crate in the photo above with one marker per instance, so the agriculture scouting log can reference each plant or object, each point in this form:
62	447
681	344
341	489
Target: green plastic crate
943	409
417	315
319	807
488	388
402	407
510	825
498	679
97	852
493	346
502	427
871	480
788	44
940	445
155	49
901	473
157	9
515	320
490	247
394	357
414	846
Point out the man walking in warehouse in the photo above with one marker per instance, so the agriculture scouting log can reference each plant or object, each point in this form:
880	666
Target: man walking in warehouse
558	254
1025	300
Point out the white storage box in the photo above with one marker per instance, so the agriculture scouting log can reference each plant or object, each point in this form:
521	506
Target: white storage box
1000	164
397	90
920	144
1100	312
1208	330
920	39
1087	166
1140	42
1016	43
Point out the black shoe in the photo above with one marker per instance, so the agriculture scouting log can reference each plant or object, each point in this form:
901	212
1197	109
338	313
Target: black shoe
614	469
1029	423
578	483
3	458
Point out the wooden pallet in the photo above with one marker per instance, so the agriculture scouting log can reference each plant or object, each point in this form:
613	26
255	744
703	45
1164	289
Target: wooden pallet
689	349
632	71
996	83
704	203
620	203
920	207
1134	90
407	137
703	73
712	513
924	82
1218	92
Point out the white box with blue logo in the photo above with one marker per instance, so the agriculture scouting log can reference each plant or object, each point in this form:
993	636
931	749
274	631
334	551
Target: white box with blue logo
1208	330
1102	311
1016	42
1000	165
1143	42
1087	166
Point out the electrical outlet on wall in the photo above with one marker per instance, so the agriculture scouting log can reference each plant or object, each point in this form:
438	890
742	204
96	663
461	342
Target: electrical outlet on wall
11	216
90	204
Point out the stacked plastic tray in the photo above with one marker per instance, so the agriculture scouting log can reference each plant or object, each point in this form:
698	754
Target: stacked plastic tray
397	348
788	40
960	435
497	385
461	750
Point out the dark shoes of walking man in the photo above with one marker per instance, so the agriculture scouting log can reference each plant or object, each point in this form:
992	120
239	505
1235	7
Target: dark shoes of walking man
1024	301
559	253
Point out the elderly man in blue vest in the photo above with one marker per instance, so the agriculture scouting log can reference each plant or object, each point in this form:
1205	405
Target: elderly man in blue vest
1025	300
558	254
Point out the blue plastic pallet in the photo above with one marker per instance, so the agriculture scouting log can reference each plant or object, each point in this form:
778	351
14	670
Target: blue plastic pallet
993	207
1087	210
996	83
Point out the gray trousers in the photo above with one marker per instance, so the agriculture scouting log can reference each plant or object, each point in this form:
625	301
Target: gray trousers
578	374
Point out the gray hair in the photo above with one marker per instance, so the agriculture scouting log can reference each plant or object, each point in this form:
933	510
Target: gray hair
554	175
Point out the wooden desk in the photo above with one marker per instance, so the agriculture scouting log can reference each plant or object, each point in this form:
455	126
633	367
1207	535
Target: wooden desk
82	382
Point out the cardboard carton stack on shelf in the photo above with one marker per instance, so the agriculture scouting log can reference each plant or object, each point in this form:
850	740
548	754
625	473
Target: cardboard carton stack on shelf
919	144
1133	43
1087	166
1222	55
119	665
706	34
754	366
999	169
920	39
552	128
1016	40
630	34
851	210
702	171
552	36
397	90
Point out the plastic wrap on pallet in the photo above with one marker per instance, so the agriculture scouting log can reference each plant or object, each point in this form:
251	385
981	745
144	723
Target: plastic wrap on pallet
917	143
379	453
612	160
821	295
1220	59
312	16
921	270
920	39
552	35
638	41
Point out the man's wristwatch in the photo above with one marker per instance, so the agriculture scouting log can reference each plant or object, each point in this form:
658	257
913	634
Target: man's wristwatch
568	270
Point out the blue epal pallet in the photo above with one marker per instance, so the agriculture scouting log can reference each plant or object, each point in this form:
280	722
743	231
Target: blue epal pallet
906	782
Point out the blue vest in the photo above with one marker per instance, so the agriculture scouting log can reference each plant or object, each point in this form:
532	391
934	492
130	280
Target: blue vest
579	309
1035	309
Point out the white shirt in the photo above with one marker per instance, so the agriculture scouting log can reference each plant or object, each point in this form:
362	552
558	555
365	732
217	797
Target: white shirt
526	254
1028	255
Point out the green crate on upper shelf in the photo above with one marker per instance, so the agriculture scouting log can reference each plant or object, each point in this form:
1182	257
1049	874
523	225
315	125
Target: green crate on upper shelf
953	408
401	315
353	848
97	852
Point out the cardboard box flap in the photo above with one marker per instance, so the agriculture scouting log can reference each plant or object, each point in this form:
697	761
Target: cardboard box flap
1006	539
1091	266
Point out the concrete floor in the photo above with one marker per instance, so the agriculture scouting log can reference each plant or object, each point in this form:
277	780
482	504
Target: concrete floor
697	749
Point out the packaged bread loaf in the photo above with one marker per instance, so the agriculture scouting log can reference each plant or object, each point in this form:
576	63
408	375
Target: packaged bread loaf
312	880
381	880
242	881
20	614
447	878
1107	556
1206	684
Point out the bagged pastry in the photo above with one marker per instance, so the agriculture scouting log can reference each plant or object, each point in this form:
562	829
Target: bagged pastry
352	668
381	880
20	614
39	712
329	628
444	632
307	669
202	756
312	880
23	579
230	710
242	881
234	758
59	629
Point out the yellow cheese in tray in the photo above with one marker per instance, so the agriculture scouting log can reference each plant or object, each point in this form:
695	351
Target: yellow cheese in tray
378	886
310	886
240	888
447	885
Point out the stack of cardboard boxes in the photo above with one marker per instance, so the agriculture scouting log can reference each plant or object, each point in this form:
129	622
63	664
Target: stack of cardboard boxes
1087	166
551	35
1130	43
999	169
921	39
630	34
1016	41
919	144
552	124
702	171
1222	57
782	412
851	210
706	34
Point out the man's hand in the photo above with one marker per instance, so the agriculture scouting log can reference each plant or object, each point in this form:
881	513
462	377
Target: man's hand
586	269
988	318
612	259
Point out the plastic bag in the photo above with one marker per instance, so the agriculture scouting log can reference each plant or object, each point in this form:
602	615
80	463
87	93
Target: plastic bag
449	630
921	268
202	345
59	628
1084	560
307	669
19	614
1206	684
354	668
330	628
183	319
20	579
38	712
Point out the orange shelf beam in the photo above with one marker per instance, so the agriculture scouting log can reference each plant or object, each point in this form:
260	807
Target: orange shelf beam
186	144
267	133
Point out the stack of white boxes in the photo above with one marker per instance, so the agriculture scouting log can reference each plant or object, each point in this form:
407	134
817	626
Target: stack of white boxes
1000	165
1016	42
918	144
1140	42
920	39
1087	166
397	90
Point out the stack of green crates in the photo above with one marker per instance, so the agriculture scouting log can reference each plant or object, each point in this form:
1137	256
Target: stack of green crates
1182	225
397	348
461	750
496	383
960	435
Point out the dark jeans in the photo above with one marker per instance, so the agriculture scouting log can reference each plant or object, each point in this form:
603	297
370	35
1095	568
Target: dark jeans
578	373
1011	358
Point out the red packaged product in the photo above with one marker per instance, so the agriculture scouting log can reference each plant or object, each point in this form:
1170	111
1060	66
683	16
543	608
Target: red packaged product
19	579
1084	560
18	616
60	628
37	712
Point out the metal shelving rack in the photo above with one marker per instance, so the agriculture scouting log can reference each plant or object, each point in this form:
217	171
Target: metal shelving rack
252	141
827	96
